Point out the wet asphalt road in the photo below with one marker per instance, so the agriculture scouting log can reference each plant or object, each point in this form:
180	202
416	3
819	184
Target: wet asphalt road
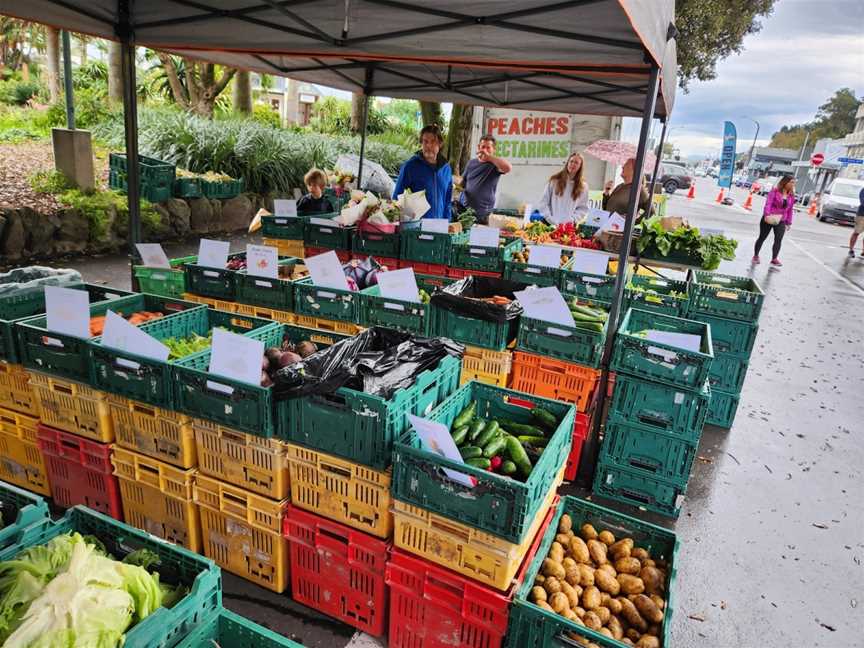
772	529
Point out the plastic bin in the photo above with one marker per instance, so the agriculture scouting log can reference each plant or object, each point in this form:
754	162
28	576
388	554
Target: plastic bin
376	244
317	232
569	343
152	171
293	247
658	294
730	337
433	269
262	312
157	498
344	256
588	285
162	281
73	407
468	330
722	409
19	509
486	366
222	189
255	464
285	228
216	304
229	630
475	257
15	391
242	532
555	379
362	427
426	247
497	504
187	187
581	429
728	373
28	299
330	303
531	274
533	627
176	566
723	295
21	461
413	317
341	490
265	291
218	283
324	325
629	487
338	571
152	431
80	472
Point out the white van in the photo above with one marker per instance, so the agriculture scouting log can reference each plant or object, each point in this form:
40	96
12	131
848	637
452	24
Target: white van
840	202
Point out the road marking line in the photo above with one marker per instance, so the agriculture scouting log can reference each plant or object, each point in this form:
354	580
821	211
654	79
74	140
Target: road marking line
829	269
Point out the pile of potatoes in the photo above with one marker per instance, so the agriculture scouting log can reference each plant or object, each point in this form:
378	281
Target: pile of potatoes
608	585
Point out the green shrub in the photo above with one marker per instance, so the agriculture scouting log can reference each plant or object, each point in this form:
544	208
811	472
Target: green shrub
98	205
50	182
265	114
16	92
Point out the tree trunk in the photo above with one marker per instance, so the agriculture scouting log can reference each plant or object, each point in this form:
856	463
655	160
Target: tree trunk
459	136
242	98
115	72
432	113
83	41
52	64
358	101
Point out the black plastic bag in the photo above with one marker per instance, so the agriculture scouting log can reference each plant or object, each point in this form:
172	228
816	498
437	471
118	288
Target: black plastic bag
454	298
377	361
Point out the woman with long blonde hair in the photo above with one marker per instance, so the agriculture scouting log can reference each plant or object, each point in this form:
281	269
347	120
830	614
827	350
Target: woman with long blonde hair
565	198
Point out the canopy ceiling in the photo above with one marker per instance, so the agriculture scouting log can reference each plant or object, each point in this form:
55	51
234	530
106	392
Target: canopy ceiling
581	56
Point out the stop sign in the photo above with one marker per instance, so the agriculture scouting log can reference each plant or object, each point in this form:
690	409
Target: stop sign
817	159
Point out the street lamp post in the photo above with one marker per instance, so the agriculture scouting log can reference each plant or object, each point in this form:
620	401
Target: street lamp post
753	145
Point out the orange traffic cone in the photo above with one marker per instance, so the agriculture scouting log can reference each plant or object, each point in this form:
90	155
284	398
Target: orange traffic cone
720	196
813	209
692	192
748	204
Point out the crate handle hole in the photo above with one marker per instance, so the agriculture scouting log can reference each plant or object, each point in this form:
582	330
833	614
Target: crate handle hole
333	535
518	402
639	497
643	465
653	419
336	470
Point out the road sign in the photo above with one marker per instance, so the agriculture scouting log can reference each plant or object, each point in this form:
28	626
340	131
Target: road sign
848	160
817	159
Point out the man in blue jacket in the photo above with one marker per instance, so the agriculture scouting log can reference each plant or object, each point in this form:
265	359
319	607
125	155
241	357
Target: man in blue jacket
429	170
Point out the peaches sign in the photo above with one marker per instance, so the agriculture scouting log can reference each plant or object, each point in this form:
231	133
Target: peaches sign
530	137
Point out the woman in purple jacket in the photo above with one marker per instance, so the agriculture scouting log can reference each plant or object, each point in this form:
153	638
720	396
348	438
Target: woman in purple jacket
776	216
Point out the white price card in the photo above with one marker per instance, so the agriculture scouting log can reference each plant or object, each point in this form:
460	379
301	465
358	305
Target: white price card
120	334
237	357
213	254
67	311
548	256
597	217
152	255
615	223
686	341
526	214
436	438
435	225
262	261
484	236
589	261
399	284
545	304
326	271
287	208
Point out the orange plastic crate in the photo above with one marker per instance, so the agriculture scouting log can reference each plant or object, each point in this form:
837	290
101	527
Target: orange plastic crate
555	379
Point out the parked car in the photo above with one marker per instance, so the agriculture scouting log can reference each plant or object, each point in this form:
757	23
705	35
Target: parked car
739	179
700	172
674	177
767	184
713	172
839	203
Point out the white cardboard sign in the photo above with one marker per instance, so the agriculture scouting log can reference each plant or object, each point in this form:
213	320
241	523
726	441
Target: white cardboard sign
287	208
120	334
597	217
326	271
484	236
213	254
589	261
399	284
686	341
547	256
615	223
67	311
262	261
435	225
436	438
153	256
237	357
546	304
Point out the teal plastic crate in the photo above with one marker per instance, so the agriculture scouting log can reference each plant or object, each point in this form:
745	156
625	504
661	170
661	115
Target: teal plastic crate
730	337
629	487
222	189
19	510
377	244
228	630
469	330
318	233
722	409
659	407
31	300
69	356
648	451
475	257
426	247
723	295
187	187
666	363
586	284
728	373
283	227
165	628
329	303
533	627
162	281
569	343
412	317
151	170
363	427
218	283
532	274
151	381
265	291
658	294
498	505
153	193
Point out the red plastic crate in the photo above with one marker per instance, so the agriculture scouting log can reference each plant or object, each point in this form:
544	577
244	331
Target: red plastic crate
80	471
580	433
433	607
344	255
337	570
461	273
390	262
438	269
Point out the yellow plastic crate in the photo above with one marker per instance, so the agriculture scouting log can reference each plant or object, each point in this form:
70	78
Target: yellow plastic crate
341	490
334	326
485	365
73	407
471	552
15	391
288	247
263	312
158	498
158	433
218	304
21	461
242	532
254	463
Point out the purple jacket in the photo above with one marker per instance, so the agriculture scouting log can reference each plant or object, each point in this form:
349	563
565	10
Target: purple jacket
774	205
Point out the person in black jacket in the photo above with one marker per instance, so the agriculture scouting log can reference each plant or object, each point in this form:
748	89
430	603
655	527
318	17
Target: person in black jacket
315	202
859	227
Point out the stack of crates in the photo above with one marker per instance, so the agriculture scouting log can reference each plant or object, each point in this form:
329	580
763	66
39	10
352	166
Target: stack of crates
285	233
156	178
731	306
657	413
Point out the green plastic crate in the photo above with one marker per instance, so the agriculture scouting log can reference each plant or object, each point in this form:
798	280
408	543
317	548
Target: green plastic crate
569	343
648	452
532	274
722	409
218	283
32	301
474	257
532	627
318	233
629	487
586	284
283	227
228	630
162	281
468	330
723	295
426	247
637	356
730	337
413	317
376	244
151	381
499	505
265	291
728	373
147	191
151	170
363	427
222	189
68	356
186	187
659	407
655	294
329	303
244	407
19	509
165	628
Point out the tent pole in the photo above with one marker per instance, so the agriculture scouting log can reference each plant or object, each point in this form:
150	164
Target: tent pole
591	450
657	163
67	80
367	95
130	122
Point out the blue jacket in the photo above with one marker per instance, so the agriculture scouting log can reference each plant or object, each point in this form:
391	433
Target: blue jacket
417	174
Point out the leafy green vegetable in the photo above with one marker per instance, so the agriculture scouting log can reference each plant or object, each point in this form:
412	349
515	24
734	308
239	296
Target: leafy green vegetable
716	248
685	240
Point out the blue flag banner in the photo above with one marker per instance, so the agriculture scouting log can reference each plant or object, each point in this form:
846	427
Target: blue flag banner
727	160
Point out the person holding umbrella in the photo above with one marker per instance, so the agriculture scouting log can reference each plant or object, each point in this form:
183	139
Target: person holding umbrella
428	171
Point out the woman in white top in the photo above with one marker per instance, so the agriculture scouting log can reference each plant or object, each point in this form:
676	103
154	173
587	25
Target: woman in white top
565	198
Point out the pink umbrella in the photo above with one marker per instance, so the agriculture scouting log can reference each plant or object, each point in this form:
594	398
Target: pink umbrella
616	152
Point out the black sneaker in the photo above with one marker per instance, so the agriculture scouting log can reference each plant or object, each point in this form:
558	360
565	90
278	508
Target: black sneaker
852	254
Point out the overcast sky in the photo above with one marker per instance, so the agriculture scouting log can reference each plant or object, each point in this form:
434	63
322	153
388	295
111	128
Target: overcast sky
806	50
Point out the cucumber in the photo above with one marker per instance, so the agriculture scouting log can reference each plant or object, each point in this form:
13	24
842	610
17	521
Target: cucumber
460	435
545	418
521	428
582	317
588	312
508	468
479	462
494	447
475	429
518	456
488	432
471	452
537	442
591	326
464	417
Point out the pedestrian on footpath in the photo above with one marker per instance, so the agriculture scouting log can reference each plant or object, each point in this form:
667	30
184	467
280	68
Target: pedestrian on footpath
859	227
776	217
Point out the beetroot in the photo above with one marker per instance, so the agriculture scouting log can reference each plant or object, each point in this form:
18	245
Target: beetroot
289	358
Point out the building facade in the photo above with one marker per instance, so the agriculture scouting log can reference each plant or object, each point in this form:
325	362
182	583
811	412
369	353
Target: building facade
854	143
